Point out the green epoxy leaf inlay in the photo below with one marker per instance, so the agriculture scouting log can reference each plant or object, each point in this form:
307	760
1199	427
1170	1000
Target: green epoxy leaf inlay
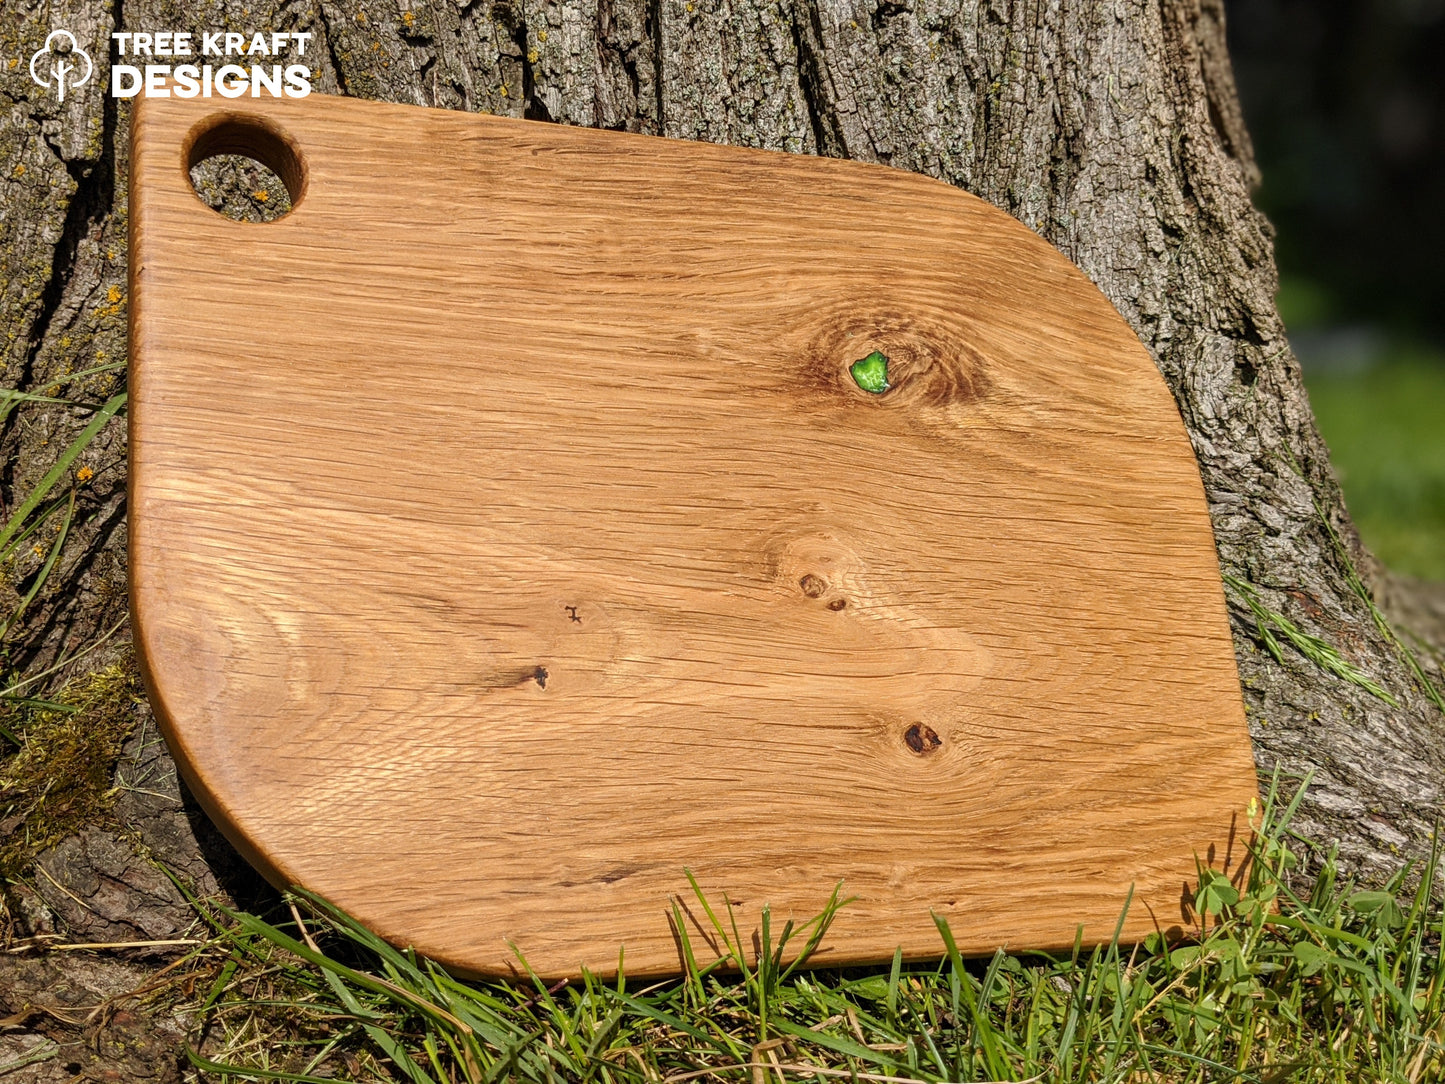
871	373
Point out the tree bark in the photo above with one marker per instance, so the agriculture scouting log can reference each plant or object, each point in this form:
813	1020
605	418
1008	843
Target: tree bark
1111	128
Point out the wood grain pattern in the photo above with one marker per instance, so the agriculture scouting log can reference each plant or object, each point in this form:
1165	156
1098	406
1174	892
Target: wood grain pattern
509	557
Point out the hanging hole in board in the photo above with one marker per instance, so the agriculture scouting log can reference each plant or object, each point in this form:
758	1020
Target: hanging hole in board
245	169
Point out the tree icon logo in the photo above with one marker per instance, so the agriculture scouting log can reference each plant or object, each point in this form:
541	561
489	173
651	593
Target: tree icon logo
63	65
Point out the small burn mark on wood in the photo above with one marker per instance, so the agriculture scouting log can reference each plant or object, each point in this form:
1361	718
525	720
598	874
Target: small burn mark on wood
922	739
838	604
813	586
539	675
572	614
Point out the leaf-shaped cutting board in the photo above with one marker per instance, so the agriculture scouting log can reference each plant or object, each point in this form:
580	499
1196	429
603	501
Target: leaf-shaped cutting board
510	534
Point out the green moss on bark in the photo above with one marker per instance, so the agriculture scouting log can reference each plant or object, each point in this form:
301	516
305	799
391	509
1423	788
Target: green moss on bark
60	778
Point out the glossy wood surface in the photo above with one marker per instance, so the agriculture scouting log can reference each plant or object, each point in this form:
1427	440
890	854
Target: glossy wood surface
495	558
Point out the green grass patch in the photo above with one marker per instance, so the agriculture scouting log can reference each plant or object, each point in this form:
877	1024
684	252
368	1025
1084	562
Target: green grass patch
1278	978
1385	427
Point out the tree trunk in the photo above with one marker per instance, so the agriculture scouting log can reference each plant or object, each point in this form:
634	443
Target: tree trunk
1111	128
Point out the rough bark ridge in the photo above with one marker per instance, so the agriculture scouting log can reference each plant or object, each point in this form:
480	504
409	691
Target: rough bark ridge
1112	128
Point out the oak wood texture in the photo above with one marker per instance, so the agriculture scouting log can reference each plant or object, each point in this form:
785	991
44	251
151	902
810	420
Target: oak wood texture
494	560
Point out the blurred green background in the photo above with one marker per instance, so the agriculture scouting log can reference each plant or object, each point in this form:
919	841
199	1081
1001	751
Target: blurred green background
1345	101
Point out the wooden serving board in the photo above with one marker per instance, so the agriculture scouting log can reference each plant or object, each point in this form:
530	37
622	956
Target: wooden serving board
510	534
